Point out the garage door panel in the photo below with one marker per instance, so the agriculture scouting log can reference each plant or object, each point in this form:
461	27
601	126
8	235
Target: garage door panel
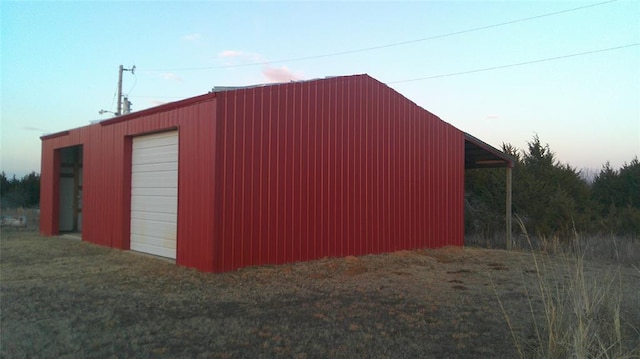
150	146
150	241
154	194
156	167
151	228
154	179
155	191
139	242
153	216
151	248
153	204
155	140
166	155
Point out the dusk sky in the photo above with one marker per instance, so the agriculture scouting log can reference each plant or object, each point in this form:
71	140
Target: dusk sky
59	64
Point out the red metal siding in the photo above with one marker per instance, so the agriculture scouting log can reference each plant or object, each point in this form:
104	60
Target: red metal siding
281	173
107	177
343	166
50	176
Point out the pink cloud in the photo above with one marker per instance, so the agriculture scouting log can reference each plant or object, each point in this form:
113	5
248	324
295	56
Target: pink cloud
269	73
280	74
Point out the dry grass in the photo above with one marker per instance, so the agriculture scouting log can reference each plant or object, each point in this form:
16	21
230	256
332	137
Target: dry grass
65	298
581	315
608	248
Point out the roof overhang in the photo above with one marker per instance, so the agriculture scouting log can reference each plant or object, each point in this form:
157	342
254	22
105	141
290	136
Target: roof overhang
53	135
478	154
162	108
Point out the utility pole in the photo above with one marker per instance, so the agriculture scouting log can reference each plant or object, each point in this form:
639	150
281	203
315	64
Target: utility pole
120	70
118	111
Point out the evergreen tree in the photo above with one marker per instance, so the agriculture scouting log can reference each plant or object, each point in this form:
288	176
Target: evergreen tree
23	192
616	196
550	197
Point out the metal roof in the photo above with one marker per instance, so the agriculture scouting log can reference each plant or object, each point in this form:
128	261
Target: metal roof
478	154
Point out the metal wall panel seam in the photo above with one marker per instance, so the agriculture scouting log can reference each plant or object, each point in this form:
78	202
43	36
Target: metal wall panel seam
252	167
289	191
224	189
236	252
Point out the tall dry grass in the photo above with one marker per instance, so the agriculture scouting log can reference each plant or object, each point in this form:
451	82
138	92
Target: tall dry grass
623	250
575	314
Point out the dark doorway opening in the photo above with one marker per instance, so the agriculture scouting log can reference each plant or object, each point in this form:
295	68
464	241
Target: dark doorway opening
70	206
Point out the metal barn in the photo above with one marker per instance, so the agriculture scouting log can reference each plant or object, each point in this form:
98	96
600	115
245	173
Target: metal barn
264	175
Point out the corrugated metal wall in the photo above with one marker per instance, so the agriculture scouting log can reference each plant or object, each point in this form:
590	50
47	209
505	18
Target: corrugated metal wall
335	167
107	177
282	173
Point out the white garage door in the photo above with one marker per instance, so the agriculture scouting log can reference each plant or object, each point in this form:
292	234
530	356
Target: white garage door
154	194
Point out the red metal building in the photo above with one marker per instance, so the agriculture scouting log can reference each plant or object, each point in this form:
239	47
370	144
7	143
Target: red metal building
264	175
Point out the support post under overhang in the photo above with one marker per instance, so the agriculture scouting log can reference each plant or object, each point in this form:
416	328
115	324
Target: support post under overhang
508	211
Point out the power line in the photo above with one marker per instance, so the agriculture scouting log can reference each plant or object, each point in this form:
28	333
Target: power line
165	97
517	64
135	81
480	70
387	45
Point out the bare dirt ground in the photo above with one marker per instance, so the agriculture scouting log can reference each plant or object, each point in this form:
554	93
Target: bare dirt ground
65	298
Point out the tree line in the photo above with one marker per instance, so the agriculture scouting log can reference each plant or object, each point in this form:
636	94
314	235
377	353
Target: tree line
552	198
24	192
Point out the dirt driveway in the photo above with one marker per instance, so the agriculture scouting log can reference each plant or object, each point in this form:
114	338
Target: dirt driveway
65	298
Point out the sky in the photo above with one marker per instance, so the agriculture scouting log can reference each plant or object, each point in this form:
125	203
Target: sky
475	64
